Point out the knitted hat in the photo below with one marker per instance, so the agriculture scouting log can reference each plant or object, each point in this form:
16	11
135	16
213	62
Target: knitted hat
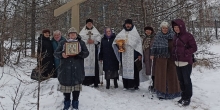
45	31
72	30
128	21
149	28
89	20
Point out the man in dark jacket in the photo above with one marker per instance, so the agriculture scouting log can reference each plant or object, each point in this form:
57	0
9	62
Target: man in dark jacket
71	72
57	37
184	46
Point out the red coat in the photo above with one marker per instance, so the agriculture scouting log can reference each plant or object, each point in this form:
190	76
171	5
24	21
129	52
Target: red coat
180	51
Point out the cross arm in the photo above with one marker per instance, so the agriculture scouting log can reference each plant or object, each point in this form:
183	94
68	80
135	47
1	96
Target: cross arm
64	8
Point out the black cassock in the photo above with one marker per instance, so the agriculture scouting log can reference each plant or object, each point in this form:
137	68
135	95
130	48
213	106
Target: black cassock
89	80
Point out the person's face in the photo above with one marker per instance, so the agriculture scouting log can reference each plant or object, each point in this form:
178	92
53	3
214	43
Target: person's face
57	36
46	34
128	26
89	25
176	29
165	30
148	32
108	32
72	35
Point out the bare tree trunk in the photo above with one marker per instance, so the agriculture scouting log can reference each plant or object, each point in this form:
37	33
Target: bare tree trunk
33	31
2	52
38	94
144	11
25	40
13	32
216	29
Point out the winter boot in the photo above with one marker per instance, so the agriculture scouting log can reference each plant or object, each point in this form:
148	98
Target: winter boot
75	105
66	105
107	83
180	101
186	102
115	83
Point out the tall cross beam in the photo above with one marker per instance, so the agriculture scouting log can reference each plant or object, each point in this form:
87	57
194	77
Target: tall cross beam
74	6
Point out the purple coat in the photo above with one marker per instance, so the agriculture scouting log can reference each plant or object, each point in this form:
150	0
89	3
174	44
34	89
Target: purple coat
179	51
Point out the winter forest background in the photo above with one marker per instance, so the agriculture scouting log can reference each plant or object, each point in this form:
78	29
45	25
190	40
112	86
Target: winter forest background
21	22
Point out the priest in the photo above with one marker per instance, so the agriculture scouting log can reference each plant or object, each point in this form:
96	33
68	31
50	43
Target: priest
132	53
92	37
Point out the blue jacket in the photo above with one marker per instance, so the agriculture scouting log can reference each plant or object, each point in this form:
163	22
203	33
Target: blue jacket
55	45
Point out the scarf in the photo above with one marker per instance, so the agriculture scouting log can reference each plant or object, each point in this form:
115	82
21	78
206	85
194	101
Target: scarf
160	45
105	34
147	41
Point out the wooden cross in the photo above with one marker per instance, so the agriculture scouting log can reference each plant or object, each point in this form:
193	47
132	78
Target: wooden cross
74	5
89	34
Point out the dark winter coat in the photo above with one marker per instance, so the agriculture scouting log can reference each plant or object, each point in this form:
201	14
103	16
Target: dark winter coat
107	54
55	45
45	52
181	52
71	71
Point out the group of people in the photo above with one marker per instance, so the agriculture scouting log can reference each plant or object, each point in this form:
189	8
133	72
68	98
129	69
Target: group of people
166	56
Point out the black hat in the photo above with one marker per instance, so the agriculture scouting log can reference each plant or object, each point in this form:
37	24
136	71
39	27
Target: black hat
89	20
45	31
149	28
128	21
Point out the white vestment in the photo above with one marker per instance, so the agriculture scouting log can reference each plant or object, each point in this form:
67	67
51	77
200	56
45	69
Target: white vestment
133	42
89	62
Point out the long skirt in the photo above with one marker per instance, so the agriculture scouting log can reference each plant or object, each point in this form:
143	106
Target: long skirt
111	74
166	81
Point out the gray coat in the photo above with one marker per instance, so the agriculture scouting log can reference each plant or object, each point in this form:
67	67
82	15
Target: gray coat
71	71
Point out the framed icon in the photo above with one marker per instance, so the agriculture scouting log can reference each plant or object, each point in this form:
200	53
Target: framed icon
71	48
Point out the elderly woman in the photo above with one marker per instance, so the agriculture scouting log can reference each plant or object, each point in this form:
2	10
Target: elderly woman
71	71
147	43
57	37
166	82
109	59
45	58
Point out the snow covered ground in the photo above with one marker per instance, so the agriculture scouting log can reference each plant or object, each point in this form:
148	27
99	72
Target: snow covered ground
206	94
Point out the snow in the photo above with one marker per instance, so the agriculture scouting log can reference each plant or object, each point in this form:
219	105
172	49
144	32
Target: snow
205	92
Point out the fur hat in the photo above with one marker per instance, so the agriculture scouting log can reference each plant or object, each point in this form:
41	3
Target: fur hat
89	20
128	21
149	28
72	30
45	31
